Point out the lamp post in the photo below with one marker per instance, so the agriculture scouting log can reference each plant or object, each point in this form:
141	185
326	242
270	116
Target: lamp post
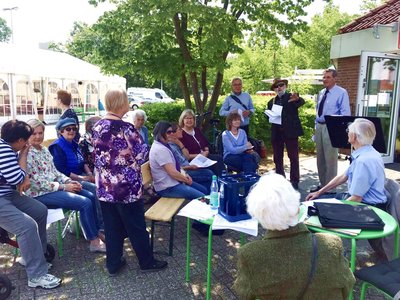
11	19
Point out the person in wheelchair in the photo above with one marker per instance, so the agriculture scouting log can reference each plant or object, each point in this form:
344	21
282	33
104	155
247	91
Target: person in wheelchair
19	214
238	151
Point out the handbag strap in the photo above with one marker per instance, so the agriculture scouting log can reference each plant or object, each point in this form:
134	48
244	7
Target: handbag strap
313	266
238	101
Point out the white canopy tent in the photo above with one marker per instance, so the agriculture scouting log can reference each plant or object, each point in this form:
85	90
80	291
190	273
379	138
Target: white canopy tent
30	78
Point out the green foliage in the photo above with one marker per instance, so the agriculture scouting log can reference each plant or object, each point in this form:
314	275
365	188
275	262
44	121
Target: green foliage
260	127
185	42
5	31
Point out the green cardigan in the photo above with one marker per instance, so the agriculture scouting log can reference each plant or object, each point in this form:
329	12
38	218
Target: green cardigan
277	267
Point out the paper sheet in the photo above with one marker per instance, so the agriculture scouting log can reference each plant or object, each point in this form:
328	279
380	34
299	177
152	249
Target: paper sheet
54	215
202	162
240	112
196	210
249	226
275	114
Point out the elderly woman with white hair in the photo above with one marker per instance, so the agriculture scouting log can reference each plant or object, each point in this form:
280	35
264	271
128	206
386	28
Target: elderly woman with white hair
279	265
139	118
366	174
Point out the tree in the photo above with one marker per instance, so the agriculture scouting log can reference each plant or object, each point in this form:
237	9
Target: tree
368	5
186	41
5	31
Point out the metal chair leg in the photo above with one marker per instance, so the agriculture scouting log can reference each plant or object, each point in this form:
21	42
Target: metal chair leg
171	236
59	239
364	287
152	236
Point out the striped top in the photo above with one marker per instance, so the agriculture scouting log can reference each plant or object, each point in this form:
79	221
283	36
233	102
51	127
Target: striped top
10	172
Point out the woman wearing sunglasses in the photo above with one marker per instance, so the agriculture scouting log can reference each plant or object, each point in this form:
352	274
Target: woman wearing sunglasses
69	160
168	180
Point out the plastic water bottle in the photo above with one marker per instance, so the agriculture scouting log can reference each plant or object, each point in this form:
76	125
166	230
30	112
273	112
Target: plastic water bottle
214	197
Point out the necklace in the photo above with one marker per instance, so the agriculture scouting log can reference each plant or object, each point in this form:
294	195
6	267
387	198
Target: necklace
114	115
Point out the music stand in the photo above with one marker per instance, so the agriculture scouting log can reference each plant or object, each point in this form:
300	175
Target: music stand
337	126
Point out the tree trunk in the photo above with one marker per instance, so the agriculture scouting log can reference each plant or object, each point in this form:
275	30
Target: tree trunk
185	89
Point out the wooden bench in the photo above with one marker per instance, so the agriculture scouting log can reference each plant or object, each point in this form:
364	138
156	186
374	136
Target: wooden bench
48	142
164	210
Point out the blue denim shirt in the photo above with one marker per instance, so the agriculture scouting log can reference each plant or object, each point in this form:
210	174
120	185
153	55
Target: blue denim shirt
366	175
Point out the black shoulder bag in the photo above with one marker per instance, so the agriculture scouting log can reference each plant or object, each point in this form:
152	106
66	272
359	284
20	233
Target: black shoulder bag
313	266
237	100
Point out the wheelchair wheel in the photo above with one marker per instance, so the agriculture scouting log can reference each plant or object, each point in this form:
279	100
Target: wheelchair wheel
50	253
5	287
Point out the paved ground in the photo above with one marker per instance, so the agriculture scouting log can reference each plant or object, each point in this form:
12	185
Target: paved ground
84	275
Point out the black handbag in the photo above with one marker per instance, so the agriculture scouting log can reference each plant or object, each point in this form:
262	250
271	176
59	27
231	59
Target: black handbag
335	215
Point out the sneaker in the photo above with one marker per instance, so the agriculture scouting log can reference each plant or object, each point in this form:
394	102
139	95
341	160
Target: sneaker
47	281
156	265
98	248
22	262
122	264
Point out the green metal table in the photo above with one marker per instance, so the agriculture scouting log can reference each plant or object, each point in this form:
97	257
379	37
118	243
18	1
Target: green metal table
391	227
209	252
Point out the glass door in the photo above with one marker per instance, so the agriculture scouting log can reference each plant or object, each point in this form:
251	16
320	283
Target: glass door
378	96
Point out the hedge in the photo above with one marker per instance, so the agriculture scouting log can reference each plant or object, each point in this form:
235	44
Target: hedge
260	128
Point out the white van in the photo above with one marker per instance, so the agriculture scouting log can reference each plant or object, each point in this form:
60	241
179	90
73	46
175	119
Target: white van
149	95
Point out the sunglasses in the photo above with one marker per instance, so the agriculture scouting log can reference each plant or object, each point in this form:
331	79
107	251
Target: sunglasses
171	131
71	128
280	84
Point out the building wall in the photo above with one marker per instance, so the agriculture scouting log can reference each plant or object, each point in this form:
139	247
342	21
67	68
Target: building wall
348	69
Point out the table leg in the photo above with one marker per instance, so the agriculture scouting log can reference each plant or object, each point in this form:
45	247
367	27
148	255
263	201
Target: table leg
189	227
352	262
209	257
396	243
242	239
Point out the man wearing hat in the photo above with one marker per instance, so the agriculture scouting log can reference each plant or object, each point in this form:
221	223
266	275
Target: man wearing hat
239	102
288	132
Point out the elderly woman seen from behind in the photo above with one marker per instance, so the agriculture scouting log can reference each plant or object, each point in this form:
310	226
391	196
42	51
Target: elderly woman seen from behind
55	190
119	153
139	118
284	272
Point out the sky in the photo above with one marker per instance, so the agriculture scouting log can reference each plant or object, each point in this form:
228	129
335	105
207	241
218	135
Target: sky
36	21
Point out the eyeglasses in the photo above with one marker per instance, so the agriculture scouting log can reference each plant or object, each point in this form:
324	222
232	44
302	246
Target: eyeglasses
171	131
188	118
237	84
71	128
280	84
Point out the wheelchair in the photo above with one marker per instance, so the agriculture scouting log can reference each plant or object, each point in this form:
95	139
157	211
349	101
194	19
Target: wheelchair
5	284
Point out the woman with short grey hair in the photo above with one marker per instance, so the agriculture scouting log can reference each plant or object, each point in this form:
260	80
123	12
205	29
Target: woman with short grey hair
278	265
139	118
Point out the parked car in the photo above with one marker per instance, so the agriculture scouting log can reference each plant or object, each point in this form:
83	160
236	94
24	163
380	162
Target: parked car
150	95
135	102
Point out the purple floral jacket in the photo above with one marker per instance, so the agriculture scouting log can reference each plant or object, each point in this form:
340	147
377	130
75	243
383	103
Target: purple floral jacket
119	153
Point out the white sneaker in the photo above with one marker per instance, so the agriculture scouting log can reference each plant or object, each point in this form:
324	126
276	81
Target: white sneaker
47	281
22	262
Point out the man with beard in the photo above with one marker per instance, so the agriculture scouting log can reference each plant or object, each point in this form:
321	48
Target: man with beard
288	132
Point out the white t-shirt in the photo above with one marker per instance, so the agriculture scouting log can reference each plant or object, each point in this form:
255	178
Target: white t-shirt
160	156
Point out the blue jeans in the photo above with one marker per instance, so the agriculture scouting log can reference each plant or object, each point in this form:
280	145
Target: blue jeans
91	187
84	202
121	220
202	176
243	161
26	218
181	190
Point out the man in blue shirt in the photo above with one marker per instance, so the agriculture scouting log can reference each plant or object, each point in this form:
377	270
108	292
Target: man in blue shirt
239	102
366	174
332	100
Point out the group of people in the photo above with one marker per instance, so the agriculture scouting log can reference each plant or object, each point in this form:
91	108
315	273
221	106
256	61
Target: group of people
101	178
